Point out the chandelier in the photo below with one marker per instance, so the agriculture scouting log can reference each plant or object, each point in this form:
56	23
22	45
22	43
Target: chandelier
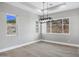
45	16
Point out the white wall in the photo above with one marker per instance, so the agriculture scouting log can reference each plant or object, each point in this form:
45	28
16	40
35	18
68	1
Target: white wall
25	26
73	37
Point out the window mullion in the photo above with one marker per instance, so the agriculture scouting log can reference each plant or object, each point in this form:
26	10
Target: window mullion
62	26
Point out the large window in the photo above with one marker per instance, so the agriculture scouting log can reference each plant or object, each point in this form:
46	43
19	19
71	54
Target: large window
66	25
58	26
11	24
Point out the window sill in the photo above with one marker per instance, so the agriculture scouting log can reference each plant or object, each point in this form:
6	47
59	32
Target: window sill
10	35
58	33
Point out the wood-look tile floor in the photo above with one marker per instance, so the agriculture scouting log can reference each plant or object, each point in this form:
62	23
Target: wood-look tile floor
42	49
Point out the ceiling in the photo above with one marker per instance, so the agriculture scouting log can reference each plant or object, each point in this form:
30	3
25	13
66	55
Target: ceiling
53	7
39	5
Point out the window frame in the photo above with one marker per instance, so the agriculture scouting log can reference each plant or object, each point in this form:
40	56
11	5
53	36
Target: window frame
6	25
62	33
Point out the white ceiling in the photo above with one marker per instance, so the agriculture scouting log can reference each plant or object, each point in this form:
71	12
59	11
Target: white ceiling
39	5
53	7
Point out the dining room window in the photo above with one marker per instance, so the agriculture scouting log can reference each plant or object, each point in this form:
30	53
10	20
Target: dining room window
58	26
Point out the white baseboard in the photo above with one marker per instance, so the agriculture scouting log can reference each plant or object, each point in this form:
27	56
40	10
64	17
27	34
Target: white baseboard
28	43
62	43
14	47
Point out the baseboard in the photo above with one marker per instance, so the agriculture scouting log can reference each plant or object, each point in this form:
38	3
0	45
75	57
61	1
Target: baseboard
62	43
14	47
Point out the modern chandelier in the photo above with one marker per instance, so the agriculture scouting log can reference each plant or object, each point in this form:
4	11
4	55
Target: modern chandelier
45	16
